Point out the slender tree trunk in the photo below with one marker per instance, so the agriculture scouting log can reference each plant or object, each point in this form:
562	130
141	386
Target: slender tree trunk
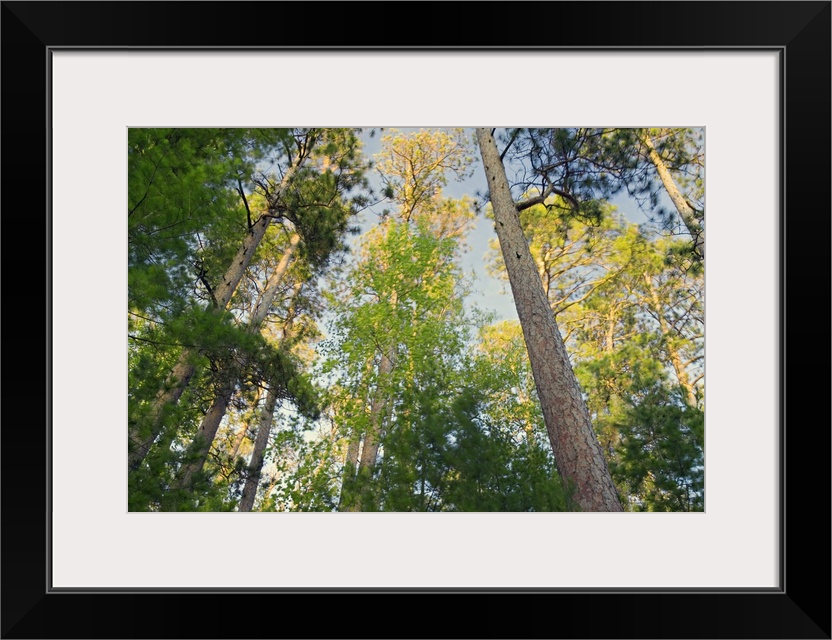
175	385
578	454
352	453
264	430
255	467
375	431
201	444
240	436
672	351
363	472
184	369
198	450
348	475
269	487
369	452
609	339
350	470
685	211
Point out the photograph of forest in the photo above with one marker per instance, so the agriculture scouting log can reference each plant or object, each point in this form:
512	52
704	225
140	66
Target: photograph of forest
416	320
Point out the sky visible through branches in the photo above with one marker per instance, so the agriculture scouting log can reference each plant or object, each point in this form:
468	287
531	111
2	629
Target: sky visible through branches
488	291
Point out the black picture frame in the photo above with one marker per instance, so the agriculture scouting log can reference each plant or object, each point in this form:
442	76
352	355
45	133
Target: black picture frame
800	608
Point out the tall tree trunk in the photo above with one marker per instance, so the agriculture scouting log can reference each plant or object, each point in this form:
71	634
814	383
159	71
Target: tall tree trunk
264	429
175	385
686	212
577	452
378	410
348	474
352	453
183	371
201	444
351	460
255	466
609	338
672	351
242	431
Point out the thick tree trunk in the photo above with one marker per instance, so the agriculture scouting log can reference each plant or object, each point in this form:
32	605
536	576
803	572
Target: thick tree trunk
686	212
183	371
578	454
201	444
255	466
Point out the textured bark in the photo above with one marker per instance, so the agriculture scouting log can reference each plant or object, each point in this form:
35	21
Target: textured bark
255	467
352	454
369	452
685	211
577	452
208	428
183	371
201	444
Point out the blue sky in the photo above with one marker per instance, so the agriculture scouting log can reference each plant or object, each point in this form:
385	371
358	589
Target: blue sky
489	293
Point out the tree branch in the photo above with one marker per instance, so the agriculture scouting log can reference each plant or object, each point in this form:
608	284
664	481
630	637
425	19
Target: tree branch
510	142
245	202
525	204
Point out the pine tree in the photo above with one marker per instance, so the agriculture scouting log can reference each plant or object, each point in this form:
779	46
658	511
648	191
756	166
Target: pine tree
577	452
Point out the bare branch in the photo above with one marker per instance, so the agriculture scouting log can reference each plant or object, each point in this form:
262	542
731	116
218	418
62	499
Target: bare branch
245	202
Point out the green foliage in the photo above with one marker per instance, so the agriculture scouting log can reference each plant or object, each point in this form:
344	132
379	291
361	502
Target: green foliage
594	164
455	412
490	469
653	441
178	200
451	440
193	195
629	304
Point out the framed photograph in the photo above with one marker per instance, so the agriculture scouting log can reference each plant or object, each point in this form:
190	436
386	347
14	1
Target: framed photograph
753	77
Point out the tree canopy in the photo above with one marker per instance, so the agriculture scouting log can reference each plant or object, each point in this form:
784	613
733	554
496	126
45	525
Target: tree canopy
305	331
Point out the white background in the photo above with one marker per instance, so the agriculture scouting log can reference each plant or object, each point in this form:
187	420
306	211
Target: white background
97	543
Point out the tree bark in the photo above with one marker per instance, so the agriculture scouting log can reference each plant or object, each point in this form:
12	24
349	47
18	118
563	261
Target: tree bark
264	430
175	385
352	453
242	431
201	444
686	212
348	474
577	452
184	369
255	467
358	477
369	452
